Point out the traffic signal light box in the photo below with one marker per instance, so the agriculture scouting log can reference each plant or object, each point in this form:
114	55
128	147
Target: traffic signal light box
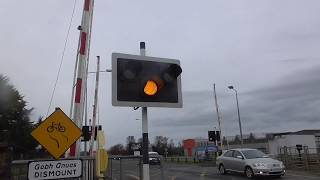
87	131
214	135
143	81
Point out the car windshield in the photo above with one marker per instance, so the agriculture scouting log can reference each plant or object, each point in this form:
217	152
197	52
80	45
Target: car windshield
252	154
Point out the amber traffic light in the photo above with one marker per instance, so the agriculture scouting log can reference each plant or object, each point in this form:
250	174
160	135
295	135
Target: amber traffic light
150	88
142	81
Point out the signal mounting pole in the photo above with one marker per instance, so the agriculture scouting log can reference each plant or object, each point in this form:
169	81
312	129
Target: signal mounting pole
145	141
136	81
93	130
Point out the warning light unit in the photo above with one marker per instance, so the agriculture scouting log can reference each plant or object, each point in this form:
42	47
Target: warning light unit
143	81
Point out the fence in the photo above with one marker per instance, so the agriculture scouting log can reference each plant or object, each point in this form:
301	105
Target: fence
205	161
19	169
130	167
119	167
182	159
304	159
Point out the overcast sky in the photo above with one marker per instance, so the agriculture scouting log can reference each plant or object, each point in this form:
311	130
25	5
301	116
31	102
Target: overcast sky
268	50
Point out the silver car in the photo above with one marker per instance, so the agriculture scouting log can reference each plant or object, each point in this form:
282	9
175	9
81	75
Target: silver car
251	162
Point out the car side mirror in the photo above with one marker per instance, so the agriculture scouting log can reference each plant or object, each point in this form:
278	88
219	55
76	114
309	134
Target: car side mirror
239	157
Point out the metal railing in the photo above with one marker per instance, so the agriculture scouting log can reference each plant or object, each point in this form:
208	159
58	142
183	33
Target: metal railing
304	159
88	168
119	167
182	159
130	167
210	161
19	168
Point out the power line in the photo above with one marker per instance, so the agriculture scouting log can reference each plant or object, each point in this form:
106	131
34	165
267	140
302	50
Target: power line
62	56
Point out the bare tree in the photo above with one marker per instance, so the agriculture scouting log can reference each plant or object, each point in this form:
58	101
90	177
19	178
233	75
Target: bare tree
117	149
130	142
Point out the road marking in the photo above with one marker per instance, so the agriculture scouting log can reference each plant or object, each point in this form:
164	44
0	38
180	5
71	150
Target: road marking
133	176
203	173
155	174
112	178
173	177
297	175
202	176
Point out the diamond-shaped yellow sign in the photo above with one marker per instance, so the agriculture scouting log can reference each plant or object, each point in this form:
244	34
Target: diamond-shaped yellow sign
57	133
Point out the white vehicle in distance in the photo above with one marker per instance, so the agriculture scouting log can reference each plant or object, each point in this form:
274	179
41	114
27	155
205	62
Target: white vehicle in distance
154	158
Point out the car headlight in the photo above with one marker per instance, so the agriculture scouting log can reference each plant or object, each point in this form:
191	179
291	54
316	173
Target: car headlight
259	165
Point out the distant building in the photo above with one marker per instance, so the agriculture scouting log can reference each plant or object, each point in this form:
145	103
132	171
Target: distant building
317	138
270	143
190	145
254	141
199	145
306	138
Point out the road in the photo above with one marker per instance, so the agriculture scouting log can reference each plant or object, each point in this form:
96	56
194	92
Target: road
170	171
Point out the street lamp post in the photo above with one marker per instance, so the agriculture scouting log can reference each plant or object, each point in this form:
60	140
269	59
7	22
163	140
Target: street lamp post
232	88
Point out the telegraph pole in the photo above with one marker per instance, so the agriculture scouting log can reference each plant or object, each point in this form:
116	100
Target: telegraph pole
94	116
218	114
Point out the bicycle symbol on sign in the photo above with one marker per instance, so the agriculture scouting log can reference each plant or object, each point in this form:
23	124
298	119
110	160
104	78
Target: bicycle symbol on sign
58	128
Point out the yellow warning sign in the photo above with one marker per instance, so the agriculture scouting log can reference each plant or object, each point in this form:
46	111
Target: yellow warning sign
57	133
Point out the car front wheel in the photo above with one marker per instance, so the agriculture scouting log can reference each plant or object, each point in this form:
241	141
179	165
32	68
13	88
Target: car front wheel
248	172
222	170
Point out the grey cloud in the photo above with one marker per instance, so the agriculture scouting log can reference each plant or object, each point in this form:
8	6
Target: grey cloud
240	43
293	103
300	60
295	99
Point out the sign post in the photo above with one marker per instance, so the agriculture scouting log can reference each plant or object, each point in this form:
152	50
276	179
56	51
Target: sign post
144	81
57	133
145	141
